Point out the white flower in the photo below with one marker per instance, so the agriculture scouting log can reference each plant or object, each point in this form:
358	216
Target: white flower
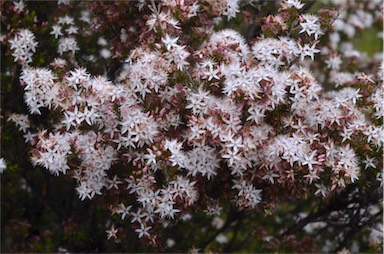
232	156
56	31
105	53
269	176
102	41
40	89
85	17
72	30
310	25
77	77
339	78
138	216
111	232
124	210
73	118
198	102
23	46
53	153
312	175
169	42
170	243
18	6
379	177
84	191
67	44
66	20
165	209
143	230
369	162
333	63
29	137
273	51
212	74
248	195
194	9
310	160
21	121
3	165
321	189
203	160
294	3
308	51
221	238
173	22
232	9
114	183
178	56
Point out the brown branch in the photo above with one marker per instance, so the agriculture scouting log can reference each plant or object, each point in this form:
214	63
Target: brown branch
234	215
355	229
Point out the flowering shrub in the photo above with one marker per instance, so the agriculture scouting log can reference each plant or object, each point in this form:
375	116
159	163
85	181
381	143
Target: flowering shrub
162	114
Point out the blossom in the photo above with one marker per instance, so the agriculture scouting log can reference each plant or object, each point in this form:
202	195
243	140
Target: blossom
66	20
248	194
369	162
294	3
166	209
53	153
77	77
72	30
309	160
312	175
203	160
232	9
333	62
114	183
112	232
19	6
199	102
137	216
221	239
56	31
269	176
170	243
170	42
308	51
40	89
274	51
173	22
3	165
67	44
321	189
22	121
310	25
124	210
143	230
379	177
23	46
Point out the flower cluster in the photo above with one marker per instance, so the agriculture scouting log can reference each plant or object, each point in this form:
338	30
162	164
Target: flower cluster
251	117
23	46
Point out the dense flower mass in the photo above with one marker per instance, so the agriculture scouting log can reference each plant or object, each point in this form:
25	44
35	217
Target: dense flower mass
192	108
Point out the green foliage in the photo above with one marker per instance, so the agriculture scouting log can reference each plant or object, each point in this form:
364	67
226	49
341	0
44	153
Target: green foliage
368	41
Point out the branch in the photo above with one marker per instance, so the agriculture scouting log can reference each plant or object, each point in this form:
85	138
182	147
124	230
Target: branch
238	226
348	237
340	203
233	216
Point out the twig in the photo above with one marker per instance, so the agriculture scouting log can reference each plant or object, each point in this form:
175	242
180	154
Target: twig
233	216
